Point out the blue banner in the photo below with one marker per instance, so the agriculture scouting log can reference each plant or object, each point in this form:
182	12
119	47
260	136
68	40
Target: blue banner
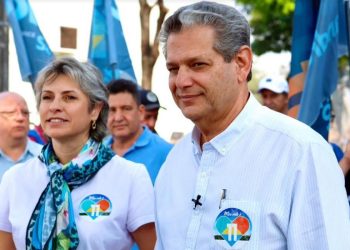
319	38
33	52
108	50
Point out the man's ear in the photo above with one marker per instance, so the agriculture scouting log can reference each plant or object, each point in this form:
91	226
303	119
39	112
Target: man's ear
142	112
244	59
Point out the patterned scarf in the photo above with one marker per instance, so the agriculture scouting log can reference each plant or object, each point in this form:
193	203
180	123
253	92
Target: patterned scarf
52	225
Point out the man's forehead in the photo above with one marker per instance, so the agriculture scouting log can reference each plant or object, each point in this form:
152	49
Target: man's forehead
13	101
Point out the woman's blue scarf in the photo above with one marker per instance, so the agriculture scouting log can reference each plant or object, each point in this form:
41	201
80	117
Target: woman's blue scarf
52	225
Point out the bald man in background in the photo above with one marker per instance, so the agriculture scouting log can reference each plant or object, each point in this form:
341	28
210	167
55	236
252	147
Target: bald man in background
15	147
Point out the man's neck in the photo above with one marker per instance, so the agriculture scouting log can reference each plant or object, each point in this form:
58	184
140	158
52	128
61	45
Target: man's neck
14	148
214	125
121	145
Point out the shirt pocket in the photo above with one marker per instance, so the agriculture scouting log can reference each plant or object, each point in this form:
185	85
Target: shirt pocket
236	226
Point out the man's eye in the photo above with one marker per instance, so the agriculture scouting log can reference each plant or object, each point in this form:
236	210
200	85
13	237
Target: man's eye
127	108
173	69
111	111
197	64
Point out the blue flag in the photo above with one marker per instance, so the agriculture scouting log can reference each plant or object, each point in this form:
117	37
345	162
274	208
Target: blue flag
33	52
319	38
108	50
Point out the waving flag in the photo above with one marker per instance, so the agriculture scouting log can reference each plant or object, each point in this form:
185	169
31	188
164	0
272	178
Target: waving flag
33	52
108	50
319	38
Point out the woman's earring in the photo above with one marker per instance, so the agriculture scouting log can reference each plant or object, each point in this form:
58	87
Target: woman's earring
93	125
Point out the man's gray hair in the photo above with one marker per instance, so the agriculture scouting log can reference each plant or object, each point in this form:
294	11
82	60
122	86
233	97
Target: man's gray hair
231	27
89	79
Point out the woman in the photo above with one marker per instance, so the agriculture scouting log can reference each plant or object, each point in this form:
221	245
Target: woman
77	194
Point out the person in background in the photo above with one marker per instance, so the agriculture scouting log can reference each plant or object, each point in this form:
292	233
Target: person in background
15	147
77	189
129	138
274	93
151	103
345	166
246	177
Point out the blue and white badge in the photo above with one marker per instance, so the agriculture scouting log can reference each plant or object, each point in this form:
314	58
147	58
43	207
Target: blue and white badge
95	207
232	229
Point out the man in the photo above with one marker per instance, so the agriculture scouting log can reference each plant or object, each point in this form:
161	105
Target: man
151	103
15	147
247	177
274	93
129	138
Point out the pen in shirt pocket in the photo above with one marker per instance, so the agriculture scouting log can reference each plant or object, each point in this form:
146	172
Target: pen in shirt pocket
222	197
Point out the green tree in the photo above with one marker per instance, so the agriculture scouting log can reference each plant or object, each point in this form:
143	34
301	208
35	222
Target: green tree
271	22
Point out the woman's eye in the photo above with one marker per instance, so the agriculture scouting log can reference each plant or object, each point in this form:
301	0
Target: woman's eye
45	97
69	98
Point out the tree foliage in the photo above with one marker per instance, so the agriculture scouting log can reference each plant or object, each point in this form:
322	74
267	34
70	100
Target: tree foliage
271	22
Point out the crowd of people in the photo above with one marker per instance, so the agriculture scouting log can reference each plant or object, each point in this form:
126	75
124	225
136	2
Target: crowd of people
246	177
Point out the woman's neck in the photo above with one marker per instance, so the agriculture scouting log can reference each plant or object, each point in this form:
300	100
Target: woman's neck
67	151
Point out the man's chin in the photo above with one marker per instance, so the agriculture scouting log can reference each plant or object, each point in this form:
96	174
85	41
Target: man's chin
191	115
19	135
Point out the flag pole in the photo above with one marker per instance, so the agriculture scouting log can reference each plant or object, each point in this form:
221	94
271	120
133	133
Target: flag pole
4	50
347	13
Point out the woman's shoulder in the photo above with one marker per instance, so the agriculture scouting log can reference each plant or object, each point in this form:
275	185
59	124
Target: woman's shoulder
30	171
30	167
120	164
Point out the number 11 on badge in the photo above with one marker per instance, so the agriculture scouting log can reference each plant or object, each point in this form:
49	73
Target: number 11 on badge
232	227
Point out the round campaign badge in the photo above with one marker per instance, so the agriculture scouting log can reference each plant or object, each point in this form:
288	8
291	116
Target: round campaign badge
95	207
232	228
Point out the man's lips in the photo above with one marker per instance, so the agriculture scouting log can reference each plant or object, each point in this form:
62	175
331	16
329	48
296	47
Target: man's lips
187	97
118	126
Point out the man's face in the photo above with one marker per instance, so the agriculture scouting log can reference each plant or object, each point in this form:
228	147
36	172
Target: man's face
275	101
14	117
150	119
125	116
203	85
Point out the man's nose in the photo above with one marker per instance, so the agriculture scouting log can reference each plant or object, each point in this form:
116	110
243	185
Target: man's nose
183	78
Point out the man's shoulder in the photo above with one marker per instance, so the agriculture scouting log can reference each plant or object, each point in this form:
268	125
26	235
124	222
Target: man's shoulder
156	140
288	126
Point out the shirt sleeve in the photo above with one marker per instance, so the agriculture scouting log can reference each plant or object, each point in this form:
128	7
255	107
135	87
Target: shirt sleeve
319	216
141	209
5	224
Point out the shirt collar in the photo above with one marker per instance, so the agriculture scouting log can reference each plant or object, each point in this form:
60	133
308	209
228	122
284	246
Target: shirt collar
224	141
144	138
142	141
30	149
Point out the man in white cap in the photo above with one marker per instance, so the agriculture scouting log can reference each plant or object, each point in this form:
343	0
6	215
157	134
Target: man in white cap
274	93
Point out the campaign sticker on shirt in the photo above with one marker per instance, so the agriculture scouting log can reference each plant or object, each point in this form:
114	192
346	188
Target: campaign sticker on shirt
95	207
232	229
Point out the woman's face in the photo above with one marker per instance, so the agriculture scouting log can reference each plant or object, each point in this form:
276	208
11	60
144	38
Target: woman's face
64	111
